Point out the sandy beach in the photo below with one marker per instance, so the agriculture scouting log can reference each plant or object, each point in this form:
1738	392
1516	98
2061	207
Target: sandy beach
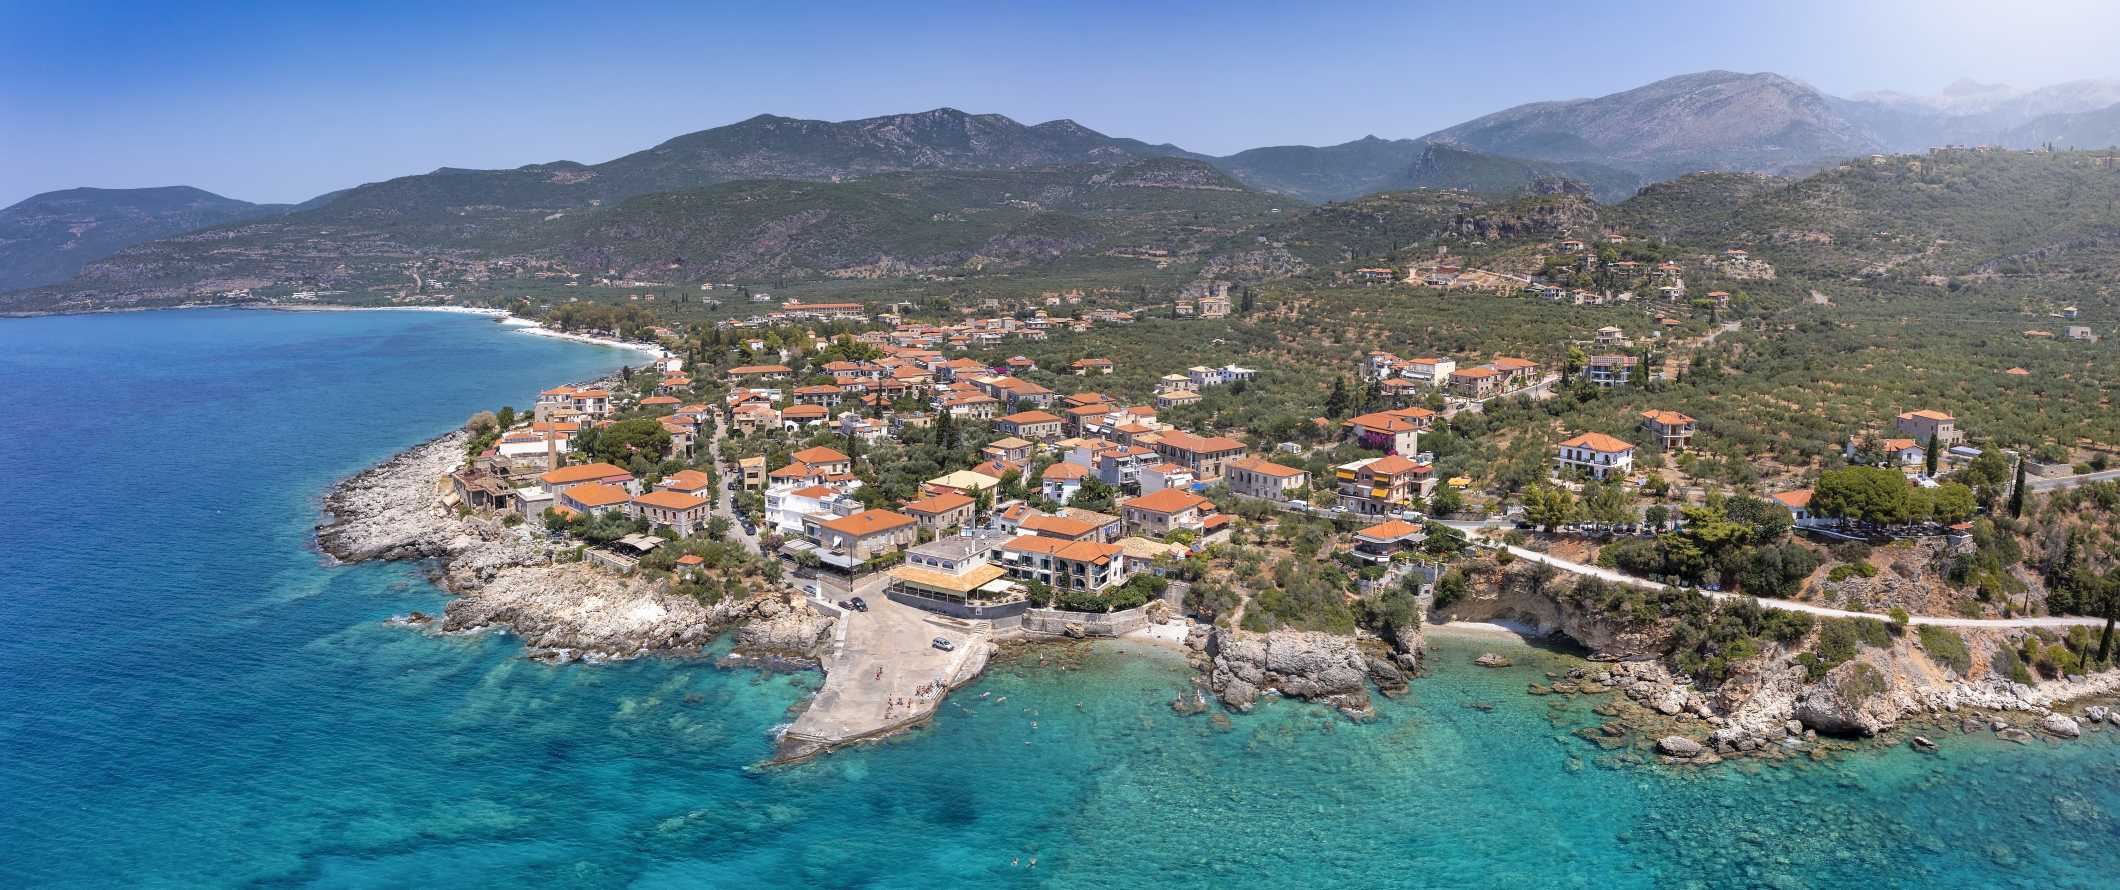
525	325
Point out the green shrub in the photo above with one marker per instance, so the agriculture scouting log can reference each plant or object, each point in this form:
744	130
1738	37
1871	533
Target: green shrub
1946	647
1862	682
2004	662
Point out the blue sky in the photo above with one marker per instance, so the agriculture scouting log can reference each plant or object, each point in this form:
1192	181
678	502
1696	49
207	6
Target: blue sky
279	102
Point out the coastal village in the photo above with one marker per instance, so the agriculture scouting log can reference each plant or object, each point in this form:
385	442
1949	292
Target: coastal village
904	498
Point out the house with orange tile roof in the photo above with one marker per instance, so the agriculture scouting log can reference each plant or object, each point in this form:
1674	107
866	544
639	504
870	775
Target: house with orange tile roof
829	460
591	498
1009	449
1257	477
559	480
1085	366
1475	382
1062	565
687	482
857	538
1037	426
1206	456
826	394
1166	511
1061	480
1673	431
1071	524
1798	503
1384	541
1394	432
745	373
1383	486
795	417
941	512
1158	476
1596	455
678	512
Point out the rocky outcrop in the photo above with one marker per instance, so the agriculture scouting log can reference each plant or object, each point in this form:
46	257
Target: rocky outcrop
507	578
1849	701
1518	594
1303	664
782	624
388	511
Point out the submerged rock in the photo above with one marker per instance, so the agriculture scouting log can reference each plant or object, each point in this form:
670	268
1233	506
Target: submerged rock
1493	660
1679	746
2060	726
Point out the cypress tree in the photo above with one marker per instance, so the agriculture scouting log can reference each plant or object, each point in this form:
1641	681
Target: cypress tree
1929	457
2017	493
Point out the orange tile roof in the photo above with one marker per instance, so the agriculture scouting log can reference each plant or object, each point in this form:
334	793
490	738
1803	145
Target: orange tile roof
1667	418
760	369
1475	373
1599	442
1508	363
1926	415
686	480
669	500
597	494
1266	467
1078	551
869	522
1022	417
1797	499
583	473
1898	444
1166	500
1184	441
1389	531
1063	472
1059	526
1392	465
938	504
819	455
798	412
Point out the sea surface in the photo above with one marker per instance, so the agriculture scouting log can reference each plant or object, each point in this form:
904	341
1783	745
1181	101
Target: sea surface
194	697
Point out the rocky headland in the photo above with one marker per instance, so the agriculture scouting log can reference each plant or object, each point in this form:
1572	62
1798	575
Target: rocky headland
1240	667
509	578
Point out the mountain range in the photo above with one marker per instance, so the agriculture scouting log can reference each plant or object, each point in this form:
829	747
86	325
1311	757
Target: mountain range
118	242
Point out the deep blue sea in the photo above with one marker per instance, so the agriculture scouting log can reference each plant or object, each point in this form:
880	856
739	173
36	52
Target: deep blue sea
193	697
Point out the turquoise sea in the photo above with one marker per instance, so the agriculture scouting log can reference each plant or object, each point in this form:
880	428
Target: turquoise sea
193	697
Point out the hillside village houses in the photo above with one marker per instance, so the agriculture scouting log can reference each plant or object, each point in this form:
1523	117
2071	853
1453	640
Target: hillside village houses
1673	431
1595	455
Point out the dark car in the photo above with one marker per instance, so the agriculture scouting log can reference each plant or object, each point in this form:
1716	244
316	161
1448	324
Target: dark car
858	604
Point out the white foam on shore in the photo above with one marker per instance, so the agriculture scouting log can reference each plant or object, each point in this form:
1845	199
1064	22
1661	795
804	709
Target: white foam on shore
525	325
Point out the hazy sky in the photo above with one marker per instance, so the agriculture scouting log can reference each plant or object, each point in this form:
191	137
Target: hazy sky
280	102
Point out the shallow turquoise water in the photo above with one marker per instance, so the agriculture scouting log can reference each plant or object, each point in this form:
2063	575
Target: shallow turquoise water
194	699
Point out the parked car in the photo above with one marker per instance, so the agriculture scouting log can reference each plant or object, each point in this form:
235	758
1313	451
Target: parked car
944	644
1299	505
858	604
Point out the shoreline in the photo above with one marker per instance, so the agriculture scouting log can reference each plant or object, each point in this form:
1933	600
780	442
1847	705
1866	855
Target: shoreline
502	316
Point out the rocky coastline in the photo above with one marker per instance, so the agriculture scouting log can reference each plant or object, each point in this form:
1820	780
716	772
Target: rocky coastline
1770	706
508	579
1240	667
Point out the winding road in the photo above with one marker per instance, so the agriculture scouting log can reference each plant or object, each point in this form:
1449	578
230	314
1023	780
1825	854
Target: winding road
1605	574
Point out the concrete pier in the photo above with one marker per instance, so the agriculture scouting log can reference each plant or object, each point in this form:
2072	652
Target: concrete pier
885	676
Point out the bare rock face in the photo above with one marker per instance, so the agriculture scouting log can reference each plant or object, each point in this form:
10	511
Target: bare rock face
1298	663
783	624
570	611
1850	701
388	511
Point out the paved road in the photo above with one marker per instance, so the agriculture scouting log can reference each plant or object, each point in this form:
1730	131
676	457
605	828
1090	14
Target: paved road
724	499
1617	577
2035	483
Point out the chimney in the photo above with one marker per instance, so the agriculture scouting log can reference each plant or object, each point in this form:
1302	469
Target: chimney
551	446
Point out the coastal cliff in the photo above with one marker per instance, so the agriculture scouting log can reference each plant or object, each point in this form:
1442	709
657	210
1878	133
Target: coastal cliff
507	578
